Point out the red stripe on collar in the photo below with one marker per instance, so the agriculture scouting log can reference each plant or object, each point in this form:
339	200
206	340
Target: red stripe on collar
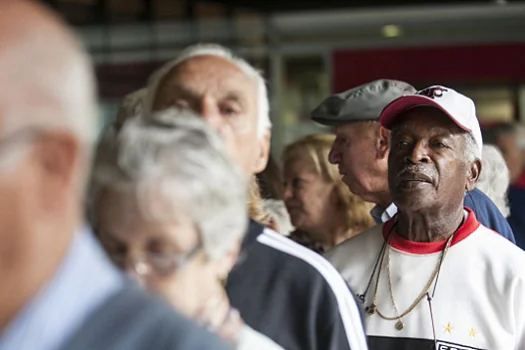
402	244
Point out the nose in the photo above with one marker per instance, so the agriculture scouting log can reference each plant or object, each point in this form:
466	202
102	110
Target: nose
211	115
334	157
418	154
134	265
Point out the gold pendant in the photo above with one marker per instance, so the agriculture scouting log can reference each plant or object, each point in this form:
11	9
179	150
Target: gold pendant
399	325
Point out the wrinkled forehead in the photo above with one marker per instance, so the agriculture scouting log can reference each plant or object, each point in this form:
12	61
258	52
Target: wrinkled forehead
206	74
427	119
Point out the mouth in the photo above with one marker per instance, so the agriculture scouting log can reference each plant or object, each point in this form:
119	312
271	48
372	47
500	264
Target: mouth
414	178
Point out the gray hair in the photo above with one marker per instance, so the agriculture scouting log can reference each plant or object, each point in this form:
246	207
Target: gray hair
263	105
471	148
131	106
495	178
177	167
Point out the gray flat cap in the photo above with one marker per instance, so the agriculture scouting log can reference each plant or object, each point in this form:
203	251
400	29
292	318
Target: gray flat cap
364	102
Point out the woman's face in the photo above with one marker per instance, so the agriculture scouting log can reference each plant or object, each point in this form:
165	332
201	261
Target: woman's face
309	199
165	257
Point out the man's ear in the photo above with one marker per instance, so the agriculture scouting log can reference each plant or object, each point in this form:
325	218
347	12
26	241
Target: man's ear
382	142
263	152
473	174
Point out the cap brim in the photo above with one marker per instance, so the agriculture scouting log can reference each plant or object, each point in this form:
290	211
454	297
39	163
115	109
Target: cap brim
396	108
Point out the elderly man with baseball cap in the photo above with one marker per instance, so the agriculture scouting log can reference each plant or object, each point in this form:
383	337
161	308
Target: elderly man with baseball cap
433	277
361	150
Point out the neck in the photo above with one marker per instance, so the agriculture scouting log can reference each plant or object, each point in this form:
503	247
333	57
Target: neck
383	199
382	195
431	226
27	268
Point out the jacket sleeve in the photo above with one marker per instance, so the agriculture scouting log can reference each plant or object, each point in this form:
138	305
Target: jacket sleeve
488	214
341	326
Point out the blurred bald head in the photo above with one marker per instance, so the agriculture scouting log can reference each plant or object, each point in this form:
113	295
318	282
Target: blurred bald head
47	122
48	76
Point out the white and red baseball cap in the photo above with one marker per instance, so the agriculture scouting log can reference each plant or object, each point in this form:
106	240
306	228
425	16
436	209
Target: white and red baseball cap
459	108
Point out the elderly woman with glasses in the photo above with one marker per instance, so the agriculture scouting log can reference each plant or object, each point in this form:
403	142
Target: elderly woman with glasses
168	208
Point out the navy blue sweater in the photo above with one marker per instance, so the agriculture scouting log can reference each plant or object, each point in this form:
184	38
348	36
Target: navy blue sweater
488	214
517	214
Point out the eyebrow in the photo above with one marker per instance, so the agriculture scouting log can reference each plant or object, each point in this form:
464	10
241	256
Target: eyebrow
179	90
234	95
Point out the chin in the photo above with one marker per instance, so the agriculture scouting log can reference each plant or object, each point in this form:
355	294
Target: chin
412	199
412	203
297	224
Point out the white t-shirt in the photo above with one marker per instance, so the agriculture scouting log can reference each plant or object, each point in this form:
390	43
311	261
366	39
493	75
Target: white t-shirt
479	301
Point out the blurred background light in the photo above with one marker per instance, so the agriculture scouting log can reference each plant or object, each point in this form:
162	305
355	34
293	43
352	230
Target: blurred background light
391	31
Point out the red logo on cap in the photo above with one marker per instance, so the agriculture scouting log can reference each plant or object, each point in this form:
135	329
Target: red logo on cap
433	92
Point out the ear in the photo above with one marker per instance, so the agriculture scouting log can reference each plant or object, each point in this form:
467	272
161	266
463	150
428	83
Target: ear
263	152
473	175
382	143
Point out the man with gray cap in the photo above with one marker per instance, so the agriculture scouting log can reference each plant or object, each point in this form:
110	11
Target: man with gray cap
361	149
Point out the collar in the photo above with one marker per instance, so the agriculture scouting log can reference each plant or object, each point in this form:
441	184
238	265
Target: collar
84	280
470	225
253	231
382	214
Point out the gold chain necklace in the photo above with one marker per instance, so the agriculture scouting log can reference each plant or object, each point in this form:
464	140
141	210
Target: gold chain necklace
399	324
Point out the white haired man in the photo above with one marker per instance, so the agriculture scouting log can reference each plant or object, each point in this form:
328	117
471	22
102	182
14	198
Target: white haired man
281	289
433	277
58	290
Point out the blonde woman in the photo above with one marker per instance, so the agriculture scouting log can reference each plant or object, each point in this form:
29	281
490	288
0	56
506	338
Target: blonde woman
322	209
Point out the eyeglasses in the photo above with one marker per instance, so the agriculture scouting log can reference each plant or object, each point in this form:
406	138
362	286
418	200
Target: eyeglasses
153	264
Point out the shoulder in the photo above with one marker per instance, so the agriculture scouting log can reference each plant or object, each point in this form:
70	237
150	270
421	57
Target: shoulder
479	202
359	248
300	257
498	251
311	269
134	320
487	213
